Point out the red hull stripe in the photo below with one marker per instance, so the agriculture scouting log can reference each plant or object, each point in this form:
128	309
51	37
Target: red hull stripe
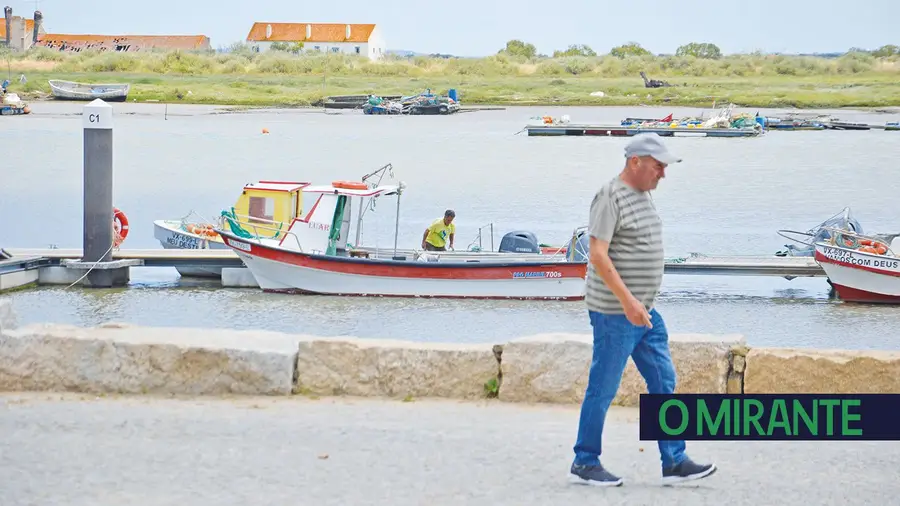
824	259
849	294
496	297
412	269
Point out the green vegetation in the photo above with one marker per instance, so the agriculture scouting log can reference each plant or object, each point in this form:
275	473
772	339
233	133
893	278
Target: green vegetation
517	75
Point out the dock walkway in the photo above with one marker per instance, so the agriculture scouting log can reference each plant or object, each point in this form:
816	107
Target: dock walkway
787	267
85	450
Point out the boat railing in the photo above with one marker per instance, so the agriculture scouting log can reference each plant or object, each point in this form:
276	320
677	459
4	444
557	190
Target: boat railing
185	220
479	238
276	231
844	238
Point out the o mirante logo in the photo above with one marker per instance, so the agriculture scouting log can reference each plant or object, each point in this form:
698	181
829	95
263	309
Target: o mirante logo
799	417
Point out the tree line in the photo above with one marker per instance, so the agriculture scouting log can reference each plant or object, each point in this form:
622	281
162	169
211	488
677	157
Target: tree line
704	50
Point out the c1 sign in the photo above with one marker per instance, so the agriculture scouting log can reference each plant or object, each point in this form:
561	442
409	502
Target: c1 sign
97	115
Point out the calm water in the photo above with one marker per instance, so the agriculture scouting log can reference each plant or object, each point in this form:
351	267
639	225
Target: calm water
728	197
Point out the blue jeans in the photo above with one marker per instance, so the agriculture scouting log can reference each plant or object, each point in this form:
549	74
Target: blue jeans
615	339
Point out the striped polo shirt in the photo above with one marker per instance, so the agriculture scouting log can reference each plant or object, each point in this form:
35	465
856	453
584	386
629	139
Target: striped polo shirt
628	220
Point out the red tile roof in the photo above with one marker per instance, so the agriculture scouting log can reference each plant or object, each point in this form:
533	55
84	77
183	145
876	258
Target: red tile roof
319	32
67	42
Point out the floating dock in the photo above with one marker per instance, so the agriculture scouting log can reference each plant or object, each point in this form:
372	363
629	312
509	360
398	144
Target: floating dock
49	266
628	131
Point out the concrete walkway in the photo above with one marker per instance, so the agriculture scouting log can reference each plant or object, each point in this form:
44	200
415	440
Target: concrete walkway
83	450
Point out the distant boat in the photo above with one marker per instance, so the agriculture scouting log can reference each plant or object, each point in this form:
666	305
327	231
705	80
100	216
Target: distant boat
68	90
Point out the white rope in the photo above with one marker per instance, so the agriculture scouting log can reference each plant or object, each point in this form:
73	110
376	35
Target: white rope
116	236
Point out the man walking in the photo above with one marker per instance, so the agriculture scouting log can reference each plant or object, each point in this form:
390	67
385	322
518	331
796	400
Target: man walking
624	275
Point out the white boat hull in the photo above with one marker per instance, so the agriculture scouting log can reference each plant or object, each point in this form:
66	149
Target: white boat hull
279	270
68	90
861	277
170	236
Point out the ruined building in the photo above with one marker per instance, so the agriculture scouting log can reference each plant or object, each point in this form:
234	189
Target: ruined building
18	33
21	34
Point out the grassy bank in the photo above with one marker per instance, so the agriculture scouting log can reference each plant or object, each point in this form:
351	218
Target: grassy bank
282	78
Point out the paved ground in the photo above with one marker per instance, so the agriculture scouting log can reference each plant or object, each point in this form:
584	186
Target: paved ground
82	450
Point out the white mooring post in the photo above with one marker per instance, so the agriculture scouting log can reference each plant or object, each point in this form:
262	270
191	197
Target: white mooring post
98	173
96	267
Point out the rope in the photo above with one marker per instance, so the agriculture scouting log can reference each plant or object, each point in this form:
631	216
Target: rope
111	246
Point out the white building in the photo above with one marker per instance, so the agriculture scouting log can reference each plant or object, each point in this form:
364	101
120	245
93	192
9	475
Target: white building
361	39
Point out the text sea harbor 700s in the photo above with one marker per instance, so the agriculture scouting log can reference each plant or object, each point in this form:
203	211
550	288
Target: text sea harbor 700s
775	417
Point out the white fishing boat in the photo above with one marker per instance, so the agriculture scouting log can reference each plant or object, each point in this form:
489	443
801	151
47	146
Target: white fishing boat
271	203
69	90
862	268
314	256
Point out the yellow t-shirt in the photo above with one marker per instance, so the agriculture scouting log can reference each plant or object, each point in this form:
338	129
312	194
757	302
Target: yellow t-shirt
438	233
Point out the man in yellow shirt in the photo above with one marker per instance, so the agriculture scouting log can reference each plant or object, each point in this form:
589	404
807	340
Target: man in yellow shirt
436	235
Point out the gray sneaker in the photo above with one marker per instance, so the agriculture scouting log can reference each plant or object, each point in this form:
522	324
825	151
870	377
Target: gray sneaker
595	476
687	470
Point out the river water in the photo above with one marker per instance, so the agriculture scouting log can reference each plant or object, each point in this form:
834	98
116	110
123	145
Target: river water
729	196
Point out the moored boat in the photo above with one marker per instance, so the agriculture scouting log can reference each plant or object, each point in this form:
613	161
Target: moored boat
69	90
262	209
862	268
314	256
10	103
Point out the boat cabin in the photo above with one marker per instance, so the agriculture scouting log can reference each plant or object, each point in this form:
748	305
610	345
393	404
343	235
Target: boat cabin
324	229
266	208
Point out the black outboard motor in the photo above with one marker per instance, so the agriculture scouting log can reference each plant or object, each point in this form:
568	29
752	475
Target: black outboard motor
520	241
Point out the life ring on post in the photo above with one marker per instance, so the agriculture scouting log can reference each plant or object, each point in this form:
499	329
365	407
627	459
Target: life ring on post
350	185
120	227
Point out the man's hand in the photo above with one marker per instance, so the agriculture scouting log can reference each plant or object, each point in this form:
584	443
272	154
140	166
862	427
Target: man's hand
636	312
423	245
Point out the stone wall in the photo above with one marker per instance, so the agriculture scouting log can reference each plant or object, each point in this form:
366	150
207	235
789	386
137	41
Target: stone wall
549	368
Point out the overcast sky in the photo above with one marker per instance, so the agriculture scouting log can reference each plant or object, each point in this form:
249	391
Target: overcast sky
481	27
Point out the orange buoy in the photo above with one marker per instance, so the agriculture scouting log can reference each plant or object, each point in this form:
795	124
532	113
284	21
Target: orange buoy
265	130
120	227
350	185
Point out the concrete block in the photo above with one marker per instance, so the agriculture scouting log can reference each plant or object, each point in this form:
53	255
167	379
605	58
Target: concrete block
238	277
10	280
369	367
788	371
554	367
125	359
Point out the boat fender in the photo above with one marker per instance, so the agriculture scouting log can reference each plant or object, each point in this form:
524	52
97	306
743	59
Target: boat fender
349	185
120	227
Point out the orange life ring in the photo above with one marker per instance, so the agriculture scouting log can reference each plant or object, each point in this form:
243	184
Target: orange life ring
350	185
120	227
205	230
873	246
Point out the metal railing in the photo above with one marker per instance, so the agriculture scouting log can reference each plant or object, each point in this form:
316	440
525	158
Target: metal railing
256	228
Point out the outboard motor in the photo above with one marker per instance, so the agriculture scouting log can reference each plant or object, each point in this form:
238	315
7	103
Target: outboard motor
520	241
579	246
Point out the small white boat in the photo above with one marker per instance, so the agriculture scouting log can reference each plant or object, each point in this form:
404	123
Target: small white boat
69	90
273	204
862	268
314	256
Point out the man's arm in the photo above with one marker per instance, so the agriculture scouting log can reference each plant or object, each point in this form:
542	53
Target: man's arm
452	234
606	270
603	223
425	236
